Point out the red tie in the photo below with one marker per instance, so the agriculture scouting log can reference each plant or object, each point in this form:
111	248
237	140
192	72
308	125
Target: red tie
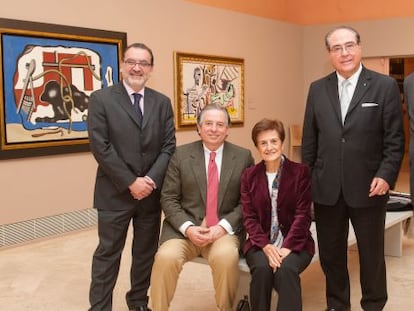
212	192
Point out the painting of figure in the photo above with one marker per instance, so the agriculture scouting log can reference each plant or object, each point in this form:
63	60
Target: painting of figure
203	80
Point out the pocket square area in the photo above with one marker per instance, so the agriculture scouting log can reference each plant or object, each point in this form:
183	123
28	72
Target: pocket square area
369	105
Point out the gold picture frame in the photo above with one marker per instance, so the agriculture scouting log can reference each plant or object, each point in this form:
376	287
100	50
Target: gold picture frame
200	80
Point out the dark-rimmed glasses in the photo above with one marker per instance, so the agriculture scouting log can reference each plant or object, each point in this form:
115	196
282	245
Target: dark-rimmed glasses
132	63
347	47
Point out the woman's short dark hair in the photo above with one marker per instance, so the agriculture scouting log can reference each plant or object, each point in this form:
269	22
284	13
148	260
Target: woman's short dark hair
268	125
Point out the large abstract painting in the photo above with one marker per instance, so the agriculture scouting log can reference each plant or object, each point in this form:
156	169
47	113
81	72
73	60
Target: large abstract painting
47	75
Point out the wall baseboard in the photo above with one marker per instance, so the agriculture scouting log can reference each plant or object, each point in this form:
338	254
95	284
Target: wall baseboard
25	231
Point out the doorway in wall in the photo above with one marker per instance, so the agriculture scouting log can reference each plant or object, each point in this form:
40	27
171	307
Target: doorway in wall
400	67
397	67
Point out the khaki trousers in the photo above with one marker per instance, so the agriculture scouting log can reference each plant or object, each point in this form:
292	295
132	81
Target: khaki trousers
222	256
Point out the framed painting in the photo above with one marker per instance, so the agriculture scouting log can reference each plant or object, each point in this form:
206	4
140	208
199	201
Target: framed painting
47	73
200	80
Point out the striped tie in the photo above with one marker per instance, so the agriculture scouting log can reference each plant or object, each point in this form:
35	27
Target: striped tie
137	98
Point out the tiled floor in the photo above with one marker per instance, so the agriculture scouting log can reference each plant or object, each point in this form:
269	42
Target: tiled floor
54	274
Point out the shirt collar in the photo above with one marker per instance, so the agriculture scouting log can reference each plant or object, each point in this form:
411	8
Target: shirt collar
353	79
130	91
218	151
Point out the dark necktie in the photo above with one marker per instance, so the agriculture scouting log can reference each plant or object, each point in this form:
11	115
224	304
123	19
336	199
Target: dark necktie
137	98
212	191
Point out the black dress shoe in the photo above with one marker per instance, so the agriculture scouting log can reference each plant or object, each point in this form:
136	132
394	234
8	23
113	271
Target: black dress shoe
140	308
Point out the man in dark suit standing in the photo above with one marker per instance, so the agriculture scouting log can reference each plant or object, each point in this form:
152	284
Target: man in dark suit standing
191	228
132	137
409	101
353	140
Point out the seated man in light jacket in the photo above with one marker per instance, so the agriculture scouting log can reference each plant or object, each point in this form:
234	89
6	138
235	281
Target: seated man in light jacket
201	202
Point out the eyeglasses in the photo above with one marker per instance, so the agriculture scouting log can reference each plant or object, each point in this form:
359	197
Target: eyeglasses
143	64
347	47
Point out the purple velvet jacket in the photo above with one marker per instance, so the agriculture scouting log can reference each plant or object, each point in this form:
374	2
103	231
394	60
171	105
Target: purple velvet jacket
293	207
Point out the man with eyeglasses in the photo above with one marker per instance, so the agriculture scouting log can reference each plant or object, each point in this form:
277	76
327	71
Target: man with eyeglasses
132	137
353	140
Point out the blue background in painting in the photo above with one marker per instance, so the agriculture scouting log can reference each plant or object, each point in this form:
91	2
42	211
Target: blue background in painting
13	46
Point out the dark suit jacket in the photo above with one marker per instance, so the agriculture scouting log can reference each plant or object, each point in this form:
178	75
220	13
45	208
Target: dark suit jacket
183	196
293	207
370	143
409	101
124	150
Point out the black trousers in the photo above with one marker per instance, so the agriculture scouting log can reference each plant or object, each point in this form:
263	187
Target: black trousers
285	280
332	225
112	231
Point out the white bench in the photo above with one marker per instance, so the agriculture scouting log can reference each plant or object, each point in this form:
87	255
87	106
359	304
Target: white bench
393	237
394	225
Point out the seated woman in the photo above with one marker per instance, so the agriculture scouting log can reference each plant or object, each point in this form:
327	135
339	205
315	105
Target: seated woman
276	205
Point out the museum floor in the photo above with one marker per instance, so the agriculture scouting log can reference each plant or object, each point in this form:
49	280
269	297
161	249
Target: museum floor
54	274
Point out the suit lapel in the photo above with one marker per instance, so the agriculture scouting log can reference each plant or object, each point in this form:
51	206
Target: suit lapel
124	101
149	107
198	167
199	171
261	187
332	90
285	187
227	164
360	89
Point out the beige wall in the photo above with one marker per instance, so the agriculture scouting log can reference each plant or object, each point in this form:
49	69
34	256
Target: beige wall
280	61
390	37
43	186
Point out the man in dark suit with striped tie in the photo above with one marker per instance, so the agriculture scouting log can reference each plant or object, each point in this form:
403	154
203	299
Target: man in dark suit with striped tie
132	137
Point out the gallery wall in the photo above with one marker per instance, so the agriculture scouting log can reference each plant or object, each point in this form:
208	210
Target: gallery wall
272	50
379	38
281	59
